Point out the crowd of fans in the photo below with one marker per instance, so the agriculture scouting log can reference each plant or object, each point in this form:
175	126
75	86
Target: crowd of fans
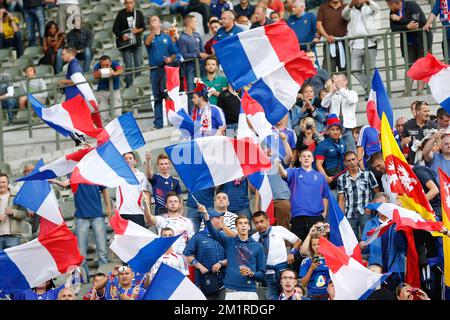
228	247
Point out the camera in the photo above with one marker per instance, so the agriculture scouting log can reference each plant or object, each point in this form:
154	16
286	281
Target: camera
316	259
320	229
309	126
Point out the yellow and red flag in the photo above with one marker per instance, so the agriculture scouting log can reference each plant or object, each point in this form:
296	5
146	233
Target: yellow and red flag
445	199
402	179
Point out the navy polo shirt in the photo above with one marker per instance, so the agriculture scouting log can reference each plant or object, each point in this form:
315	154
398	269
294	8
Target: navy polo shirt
160	48
332	153
103	83
88	202
308	189
304	27
222	34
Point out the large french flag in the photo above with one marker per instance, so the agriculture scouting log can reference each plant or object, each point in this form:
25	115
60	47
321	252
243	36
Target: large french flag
39	197
171	284
105	166
138	247
255	113
378	103
175	112
124	133
277	91
341	232
71	116
261	182
404	217
352	281
58	168
251	55
30	264
436	74
211	161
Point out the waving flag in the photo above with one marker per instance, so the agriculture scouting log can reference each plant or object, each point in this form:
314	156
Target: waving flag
30	264
250	55
82	88
341	232
261	182
57	168
352	281
243	130
137	246
39	197
378	103
175	112
277	91
103	166
171	284
436	74
211	161
404	217
377	232
445	198
71	116
124	133
255	113
402	179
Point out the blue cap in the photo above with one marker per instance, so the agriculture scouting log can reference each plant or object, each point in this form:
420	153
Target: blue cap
215	214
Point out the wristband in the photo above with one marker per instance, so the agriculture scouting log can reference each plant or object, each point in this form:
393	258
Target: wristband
193	262
293	251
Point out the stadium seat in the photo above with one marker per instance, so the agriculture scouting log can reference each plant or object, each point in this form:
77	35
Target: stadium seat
44	70
85	4
94	19
106	38
5	55
15	73
33	52
5	168
142	81
108	25
151	11
132	93
22	62
103	9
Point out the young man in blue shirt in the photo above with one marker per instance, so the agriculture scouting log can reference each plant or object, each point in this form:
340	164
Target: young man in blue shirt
104	70
309	201
246	261
161	52
191	47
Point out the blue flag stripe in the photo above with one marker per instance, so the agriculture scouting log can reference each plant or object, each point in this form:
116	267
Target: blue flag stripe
10	276
335	216
383	102
131	130
114	159
164	284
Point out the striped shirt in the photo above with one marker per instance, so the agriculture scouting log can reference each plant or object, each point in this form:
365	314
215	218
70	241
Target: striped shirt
357	191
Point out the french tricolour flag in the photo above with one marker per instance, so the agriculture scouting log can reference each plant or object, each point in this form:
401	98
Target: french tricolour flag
105	166
30	264
378	103
403	217
58	168
171	284
255	113
436	74
341	232
211	161
277	91
39	197
175	112
124	133
251	55
352	281
261	182
138	247
68	117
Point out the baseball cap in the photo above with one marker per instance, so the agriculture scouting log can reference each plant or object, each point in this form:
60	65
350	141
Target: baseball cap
215	214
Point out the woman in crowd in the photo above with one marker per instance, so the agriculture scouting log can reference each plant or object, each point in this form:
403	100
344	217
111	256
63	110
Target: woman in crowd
53	45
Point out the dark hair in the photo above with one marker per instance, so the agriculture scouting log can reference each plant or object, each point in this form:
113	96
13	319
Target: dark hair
171	194
105	57
161	156
394	1
357	129
240	217
48	26
375	156
166	229
100	274
2	174
285	270
260	214
132	153
214	21
188	18
29	66
348	153
212	58
441	113
418	105
306	86
313	236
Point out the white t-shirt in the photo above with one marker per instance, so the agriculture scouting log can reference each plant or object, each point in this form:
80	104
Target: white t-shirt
277	247
175	260
179	225
129	197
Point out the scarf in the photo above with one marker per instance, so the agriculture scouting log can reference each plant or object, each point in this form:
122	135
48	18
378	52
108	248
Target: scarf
265	241
203	116
444	11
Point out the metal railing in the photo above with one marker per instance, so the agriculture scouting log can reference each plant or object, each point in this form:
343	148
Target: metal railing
390	68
